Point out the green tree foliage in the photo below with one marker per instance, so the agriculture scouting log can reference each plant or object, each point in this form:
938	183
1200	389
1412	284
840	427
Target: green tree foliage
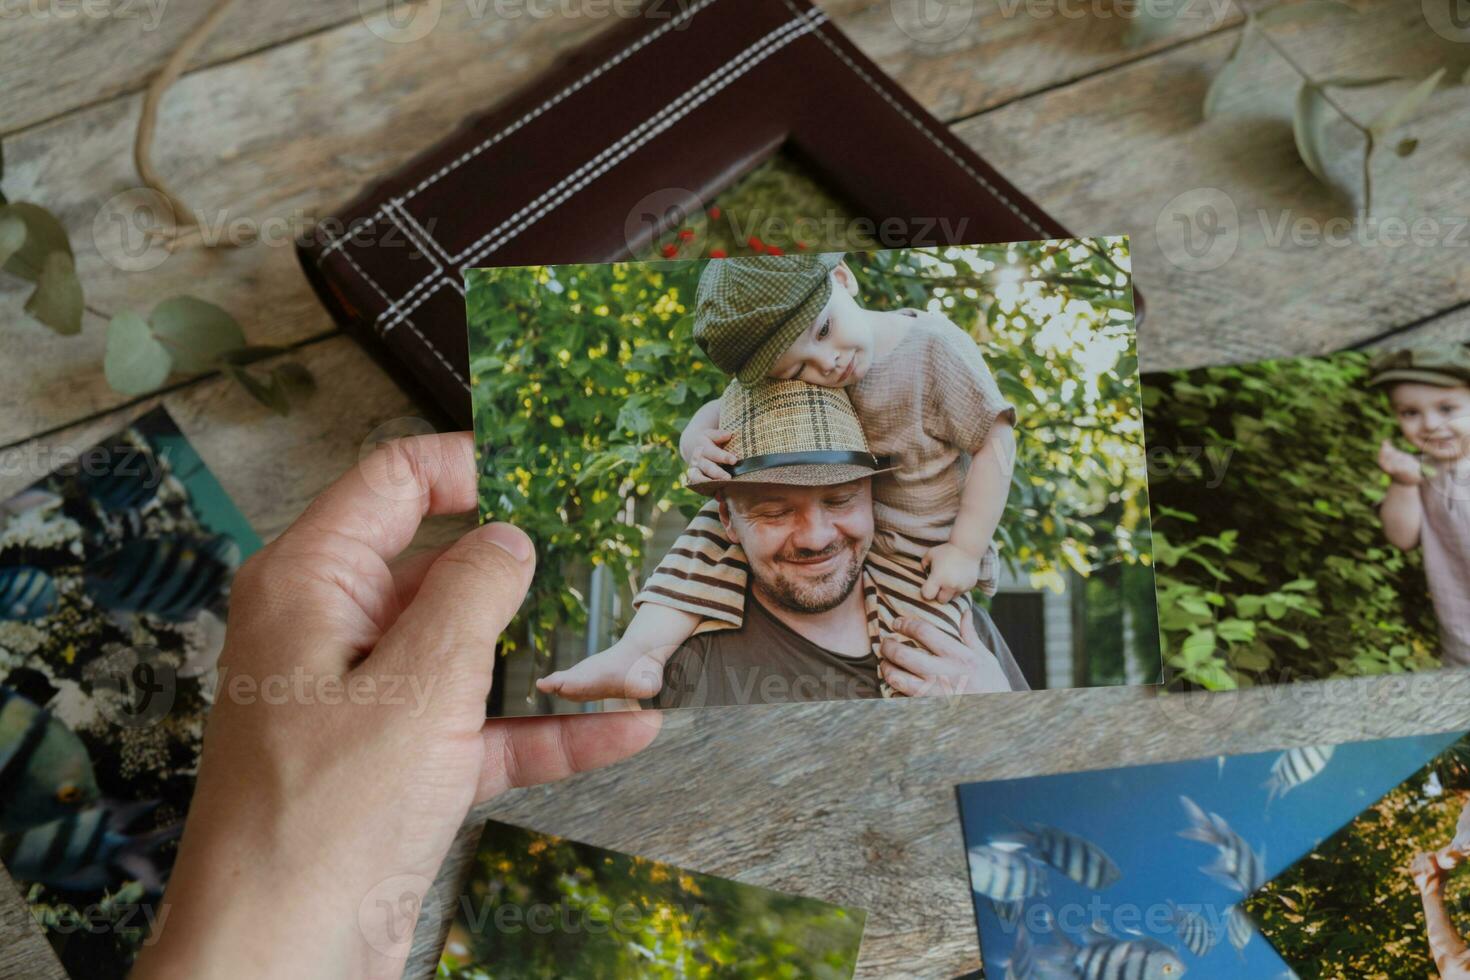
1272	564
584	377
1350	908
541	908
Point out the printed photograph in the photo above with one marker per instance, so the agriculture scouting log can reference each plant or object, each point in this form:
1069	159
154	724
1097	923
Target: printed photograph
801	476
538	907
1311	516
114	577
1387	896
1145	871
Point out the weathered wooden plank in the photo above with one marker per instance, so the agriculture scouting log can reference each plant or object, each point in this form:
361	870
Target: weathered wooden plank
60	56
272	140
1452	326
1288	273
24	952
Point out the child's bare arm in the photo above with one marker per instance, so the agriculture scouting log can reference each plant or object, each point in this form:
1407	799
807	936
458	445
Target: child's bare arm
1402	512
703	444
1450	953
954	567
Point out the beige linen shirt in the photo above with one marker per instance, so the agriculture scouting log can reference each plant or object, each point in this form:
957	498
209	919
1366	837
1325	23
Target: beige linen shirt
930	404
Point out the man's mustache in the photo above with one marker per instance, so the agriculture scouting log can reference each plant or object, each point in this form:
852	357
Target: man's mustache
806	554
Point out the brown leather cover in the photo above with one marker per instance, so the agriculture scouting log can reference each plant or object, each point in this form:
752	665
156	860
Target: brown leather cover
661	111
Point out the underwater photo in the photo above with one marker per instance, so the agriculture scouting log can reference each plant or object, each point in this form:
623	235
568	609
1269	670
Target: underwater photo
1388	896
1144	871
538	907
114	578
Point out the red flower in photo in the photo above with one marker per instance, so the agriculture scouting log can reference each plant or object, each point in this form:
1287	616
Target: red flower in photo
686	235
775	250
714	213
717	253
756	245
670	250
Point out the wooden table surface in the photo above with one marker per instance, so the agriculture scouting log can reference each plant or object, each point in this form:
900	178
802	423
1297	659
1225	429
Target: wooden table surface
291	108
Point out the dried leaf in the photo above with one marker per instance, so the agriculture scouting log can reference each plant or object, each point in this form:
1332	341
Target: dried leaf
196	333
57	300
135	362
1407	147
44	235
1309	126
1405	107
267	394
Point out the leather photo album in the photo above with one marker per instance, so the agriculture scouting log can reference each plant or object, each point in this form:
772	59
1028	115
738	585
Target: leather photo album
618	147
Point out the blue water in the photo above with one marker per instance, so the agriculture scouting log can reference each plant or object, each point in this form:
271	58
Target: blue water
1135	815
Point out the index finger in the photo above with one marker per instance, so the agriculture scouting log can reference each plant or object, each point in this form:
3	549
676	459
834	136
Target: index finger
381	501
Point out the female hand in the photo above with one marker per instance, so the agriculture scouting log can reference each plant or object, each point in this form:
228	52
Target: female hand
348	739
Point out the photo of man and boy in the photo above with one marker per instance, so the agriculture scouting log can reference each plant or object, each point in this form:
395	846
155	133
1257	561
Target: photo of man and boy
850	468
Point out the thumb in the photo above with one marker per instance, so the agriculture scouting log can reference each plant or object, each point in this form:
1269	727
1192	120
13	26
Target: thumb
468	596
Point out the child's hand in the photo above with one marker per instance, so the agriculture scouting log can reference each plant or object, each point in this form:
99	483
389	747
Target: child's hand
706	455
952	571
1401	466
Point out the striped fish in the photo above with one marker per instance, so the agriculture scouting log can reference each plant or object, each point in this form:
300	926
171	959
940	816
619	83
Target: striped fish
1005	876
26	592
1193	930
1238	928
128	481
172	578
88	851
1009	913
1104	957
1294	767
45	772
1022	962
1079	859
1238	866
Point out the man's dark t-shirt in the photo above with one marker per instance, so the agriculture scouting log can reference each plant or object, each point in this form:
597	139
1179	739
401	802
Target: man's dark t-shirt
767	662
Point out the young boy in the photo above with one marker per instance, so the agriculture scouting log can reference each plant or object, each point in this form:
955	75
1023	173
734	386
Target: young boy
924	397
1428	502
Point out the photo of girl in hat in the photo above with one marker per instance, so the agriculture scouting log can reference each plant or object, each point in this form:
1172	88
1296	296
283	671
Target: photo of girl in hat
924	397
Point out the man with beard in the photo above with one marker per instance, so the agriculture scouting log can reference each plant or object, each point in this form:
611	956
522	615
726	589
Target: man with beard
819	622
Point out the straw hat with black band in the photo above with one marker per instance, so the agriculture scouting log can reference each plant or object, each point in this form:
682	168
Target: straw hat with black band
749	309
1441	365
794	434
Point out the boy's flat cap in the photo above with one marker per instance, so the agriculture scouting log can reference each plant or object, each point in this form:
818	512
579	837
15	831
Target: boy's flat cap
750	309
1445	365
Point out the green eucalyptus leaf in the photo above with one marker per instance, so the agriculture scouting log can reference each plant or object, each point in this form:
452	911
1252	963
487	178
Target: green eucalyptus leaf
1405	107
1230	70
44	235
12	235
1309	126
135	362
196	333
57	300
1152	19
1307	10
261	391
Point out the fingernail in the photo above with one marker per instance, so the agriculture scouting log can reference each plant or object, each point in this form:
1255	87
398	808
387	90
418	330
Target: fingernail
511	539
